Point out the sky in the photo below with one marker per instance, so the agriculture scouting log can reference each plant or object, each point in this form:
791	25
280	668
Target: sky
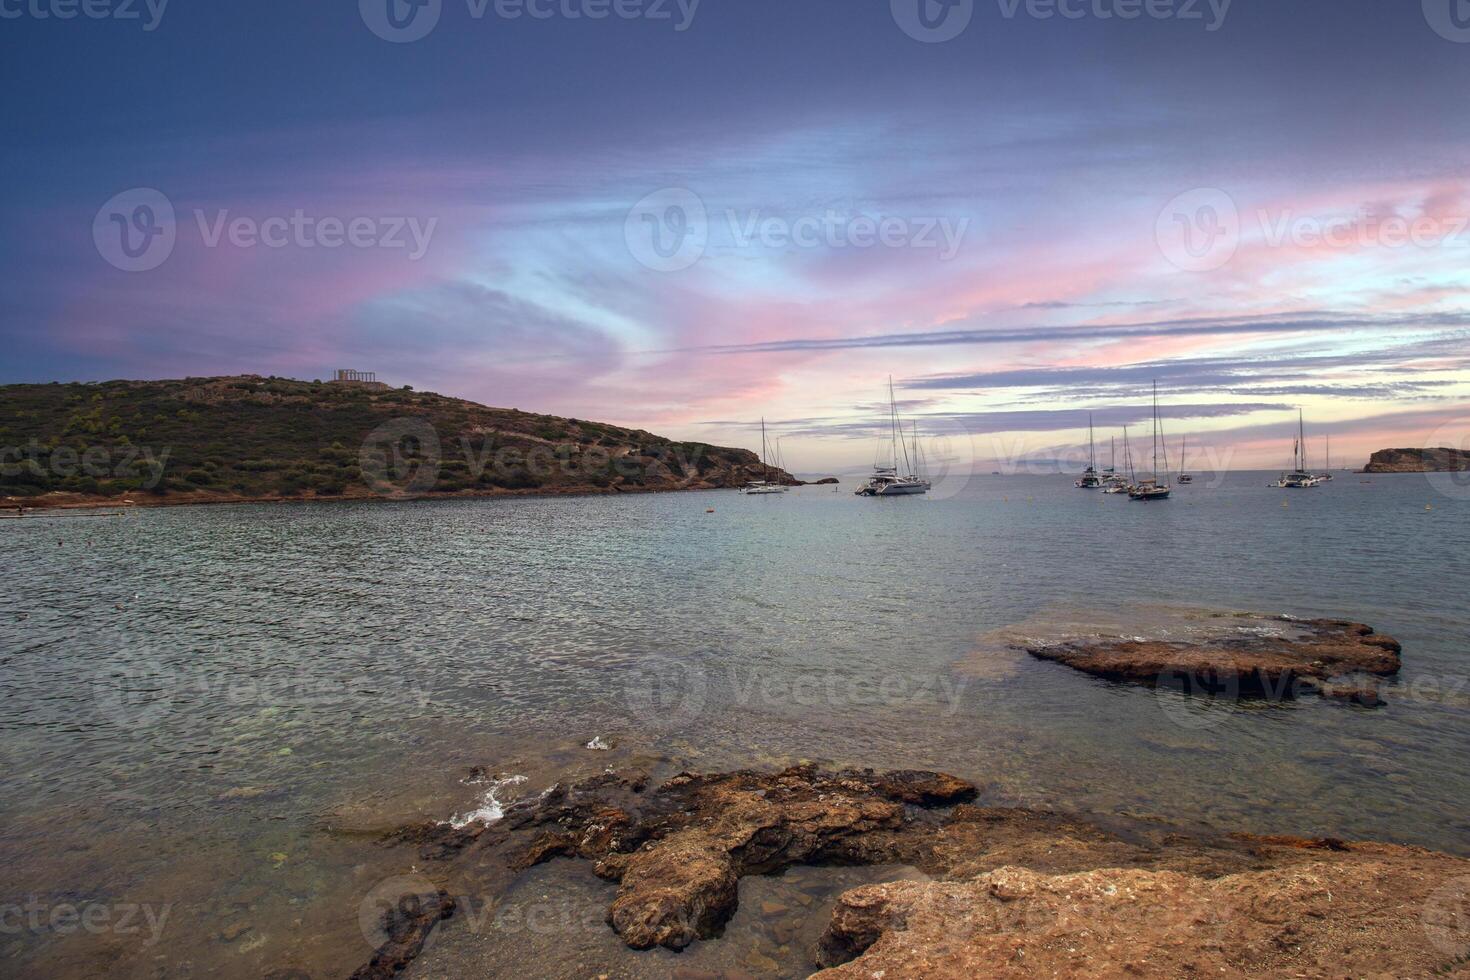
688	216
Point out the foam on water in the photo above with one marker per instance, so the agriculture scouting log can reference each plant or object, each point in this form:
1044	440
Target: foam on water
492	806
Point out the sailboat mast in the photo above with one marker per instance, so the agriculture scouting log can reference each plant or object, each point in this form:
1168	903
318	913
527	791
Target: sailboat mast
898	440
918	464
1156	430
1301	438
893	419
765	458
1091	446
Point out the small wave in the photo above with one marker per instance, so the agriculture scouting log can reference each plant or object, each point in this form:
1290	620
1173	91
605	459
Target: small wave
492	806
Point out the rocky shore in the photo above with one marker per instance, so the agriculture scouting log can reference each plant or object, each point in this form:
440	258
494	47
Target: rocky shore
1246	656
1002	891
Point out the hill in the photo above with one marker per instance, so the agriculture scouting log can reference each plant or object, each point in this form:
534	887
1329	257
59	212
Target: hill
1418	461
202	440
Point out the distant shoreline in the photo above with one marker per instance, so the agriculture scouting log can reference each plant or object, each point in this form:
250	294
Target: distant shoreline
204	499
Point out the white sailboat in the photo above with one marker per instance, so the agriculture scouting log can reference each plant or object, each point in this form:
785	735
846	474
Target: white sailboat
887	481
1299	478
1112	481
1183	476
764	486
1152	489
1326	474
1090	480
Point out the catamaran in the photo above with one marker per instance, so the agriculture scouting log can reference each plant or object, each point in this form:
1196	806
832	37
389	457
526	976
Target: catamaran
886	481
1299	478
1090	479
764	486
1152	489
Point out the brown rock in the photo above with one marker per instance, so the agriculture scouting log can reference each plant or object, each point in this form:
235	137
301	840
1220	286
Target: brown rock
1310	919
1240	662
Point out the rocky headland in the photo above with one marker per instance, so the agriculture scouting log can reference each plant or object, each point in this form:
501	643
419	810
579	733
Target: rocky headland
254	439
1419	461
1002	892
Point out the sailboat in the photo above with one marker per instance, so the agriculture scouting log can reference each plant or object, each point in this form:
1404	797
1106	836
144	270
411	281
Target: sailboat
1090	479
886	481
764	486
1112	482
1326	474
1152	489
1183	476
1298	478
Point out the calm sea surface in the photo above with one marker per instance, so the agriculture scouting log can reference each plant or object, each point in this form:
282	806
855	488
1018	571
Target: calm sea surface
208	712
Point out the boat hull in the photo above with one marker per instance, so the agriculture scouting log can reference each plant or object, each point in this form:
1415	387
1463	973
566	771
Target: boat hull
894	491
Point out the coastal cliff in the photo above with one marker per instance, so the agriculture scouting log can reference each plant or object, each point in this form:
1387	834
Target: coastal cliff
1419	461
251	438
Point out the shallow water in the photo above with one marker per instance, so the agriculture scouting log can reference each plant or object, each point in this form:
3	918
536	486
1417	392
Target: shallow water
211	710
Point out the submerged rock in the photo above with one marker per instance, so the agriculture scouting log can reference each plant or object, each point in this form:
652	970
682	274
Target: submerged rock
1242	659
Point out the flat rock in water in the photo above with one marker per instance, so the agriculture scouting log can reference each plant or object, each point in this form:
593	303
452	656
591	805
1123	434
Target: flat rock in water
1252	656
